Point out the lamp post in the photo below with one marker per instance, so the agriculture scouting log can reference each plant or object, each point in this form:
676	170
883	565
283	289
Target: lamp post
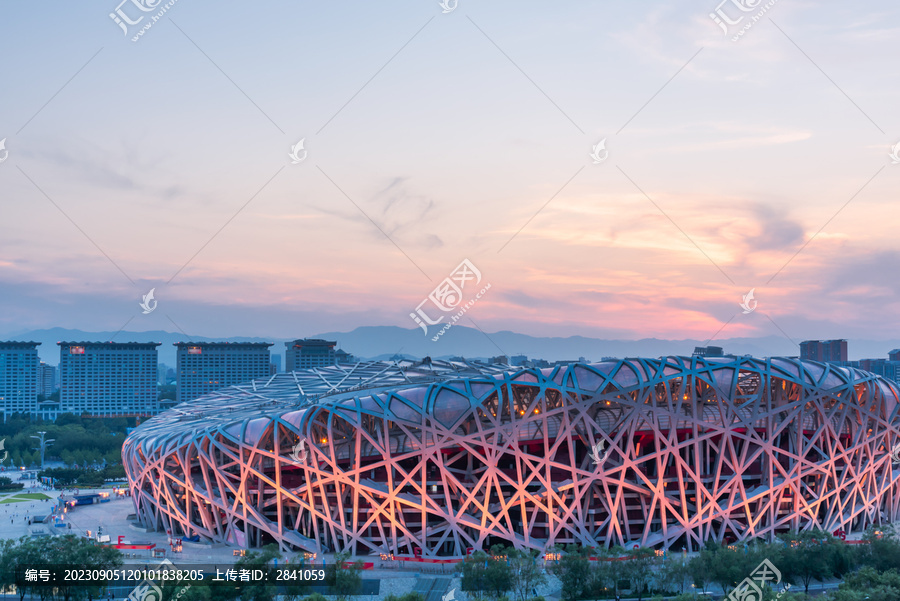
43	446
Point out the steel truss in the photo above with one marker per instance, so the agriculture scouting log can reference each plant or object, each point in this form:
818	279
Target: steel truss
438	457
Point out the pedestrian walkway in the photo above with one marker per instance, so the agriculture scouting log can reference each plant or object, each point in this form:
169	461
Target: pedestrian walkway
439	589
423	586
433	589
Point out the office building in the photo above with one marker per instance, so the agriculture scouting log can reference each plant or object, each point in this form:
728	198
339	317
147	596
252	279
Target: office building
826	351
207	366
886	368
19	364
46	379
161	371
108	378
307	353
343	357
708	351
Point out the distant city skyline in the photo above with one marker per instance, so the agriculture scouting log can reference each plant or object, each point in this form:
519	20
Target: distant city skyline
384	342
173	164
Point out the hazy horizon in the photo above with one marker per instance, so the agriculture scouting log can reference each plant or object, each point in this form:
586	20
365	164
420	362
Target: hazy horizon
382	342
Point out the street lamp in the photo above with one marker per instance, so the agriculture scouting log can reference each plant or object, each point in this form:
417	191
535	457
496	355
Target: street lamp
43	446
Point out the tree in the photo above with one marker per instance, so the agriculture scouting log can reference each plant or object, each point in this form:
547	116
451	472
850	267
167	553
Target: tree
69	550
293	590
807	556
68	419
472	570
883	550
486	573
499	573
525	573
726	567
256	590
617	567
348	581
639	570
15	554
672	574
114	472
82	553
574	573
410	596
869	584
344	579
8	484
700	569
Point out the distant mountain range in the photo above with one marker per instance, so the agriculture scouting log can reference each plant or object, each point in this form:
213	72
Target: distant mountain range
383	342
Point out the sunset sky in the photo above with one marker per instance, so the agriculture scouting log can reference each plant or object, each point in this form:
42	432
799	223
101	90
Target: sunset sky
434	138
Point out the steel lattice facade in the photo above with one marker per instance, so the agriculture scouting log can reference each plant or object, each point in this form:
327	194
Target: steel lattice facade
440	457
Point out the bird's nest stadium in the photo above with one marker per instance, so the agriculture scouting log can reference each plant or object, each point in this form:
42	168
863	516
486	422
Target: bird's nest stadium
437	458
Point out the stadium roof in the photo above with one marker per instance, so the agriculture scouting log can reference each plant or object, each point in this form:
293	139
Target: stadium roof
305	387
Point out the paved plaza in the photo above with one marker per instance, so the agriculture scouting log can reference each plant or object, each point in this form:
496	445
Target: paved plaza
111	519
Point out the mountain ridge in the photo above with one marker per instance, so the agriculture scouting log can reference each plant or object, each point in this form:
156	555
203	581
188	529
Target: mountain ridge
368	342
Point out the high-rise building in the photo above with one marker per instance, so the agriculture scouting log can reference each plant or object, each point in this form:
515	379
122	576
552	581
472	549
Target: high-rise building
708	351
46	379
307	353
208	366
276	361
827	351
18	377
343	357
518	360
888	368
108	378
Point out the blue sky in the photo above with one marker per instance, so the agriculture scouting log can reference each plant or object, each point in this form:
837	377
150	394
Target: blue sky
436	137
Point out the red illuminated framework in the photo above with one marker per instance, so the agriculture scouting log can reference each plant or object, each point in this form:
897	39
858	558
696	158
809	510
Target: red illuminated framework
664	453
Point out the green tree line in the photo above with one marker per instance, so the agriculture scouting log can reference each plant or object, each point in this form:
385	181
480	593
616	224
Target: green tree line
82	441
869	571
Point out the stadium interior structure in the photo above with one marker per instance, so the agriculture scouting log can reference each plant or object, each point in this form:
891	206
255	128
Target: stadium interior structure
436	458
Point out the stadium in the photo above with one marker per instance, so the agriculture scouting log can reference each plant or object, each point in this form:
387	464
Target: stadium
437	458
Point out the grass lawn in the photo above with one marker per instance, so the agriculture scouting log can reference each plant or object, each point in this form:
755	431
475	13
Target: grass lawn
24	497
